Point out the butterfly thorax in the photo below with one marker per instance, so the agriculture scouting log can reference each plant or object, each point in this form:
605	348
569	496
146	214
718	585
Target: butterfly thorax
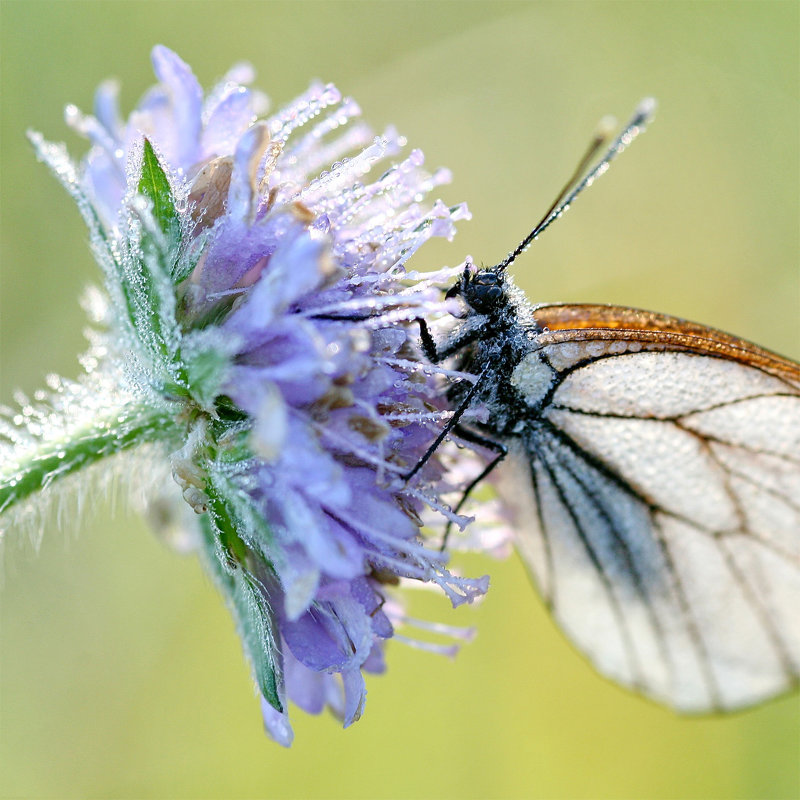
501	352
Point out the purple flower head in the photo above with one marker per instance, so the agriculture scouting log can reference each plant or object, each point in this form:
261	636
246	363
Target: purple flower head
269	315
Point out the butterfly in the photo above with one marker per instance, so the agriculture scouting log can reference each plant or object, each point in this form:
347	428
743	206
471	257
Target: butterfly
652	469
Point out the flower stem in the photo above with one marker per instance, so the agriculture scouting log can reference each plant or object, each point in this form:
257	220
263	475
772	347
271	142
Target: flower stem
47	460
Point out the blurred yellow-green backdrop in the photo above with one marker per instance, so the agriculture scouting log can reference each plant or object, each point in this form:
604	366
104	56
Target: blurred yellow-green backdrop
121	674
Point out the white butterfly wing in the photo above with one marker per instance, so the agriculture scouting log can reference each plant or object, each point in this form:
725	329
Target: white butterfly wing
657	499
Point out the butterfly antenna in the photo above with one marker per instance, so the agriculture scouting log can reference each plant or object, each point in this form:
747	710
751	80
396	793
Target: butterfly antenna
643	114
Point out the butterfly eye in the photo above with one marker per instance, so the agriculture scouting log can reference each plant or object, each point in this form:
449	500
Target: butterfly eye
485	292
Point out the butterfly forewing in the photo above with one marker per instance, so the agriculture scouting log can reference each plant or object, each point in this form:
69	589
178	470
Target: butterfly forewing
657	495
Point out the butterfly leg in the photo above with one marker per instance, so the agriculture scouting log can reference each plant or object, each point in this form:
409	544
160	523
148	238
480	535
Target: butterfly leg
428	343
500	450
451	423
431	349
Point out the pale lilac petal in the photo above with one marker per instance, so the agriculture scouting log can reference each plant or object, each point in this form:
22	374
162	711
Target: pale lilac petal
355	695
227	121
186	98
294	270
106	108
277	724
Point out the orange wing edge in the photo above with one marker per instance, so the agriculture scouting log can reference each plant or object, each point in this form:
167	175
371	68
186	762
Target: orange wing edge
586	322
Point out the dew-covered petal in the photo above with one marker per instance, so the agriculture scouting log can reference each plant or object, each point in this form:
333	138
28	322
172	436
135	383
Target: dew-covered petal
294	270
355	695
106	108
186	97
277	724
227	121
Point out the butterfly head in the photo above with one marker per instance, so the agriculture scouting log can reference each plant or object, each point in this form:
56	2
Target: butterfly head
481	289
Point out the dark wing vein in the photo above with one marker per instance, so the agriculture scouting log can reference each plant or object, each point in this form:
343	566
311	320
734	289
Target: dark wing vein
548	553
688	616
729	472
675	417
590	551
751	597
623	548
754	450
766	489
626	485
677	421
654	509
761	612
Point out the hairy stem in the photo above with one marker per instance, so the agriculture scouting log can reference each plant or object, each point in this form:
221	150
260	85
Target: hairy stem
39	463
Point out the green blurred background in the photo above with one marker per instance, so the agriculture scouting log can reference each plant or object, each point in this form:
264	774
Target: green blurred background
121	674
